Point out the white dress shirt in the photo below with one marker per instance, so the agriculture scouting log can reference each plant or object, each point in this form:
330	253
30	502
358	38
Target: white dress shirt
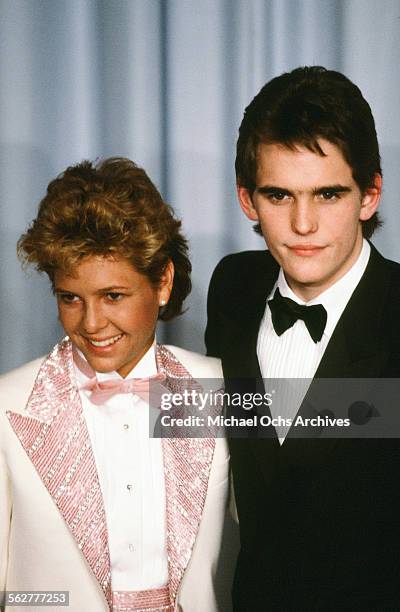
294	354
130	468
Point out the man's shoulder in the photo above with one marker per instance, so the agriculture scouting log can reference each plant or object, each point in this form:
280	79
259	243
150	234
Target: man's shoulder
386	271
199	366
242	260
390	271
377	257
240	269
394	267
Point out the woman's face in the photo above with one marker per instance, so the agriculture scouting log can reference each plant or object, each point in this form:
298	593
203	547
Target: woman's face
110	310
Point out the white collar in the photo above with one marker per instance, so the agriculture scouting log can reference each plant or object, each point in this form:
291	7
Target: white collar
335	298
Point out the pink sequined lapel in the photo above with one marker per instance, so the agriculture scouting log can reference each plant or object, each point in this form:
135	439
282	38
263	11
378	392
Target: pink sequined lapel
56	439
187	464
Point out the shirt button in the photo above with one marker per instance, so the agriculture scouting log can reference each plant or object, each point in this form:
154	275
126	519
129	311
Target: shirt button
126	426
129	487
131	548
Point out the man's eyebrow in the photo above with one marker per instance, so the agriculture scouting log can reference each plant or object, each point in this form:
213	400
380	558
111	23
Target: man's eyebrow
335	188
271	189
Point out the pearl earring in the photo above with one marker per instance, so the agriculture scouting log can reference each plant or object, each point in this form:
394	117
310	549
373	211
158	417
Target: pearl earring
163	302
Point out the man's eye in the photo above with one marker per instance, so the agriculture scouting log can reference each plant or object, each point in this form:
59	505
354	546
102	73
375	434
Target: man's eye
329	195
278	196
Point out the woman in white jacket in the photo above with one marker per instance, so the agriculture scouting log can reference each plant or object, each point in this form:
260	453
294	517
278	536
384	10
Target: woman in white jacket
91	504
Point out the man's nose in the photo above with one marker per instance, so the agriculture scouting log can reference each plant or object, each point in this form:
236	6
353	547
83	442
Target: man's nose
304	217
93	318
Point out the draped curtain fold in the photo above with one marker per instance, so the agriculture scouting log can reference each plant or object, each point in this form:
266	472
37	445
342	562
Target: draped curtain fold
165	82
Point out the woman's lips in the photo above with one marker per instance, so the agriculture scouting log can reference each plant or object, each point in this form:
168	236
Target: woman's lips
99	345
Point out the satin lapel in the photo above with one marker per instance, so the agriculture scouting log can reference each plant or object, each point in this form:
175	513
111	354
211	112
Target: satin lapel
187	464
239	333
241	320
357	348
55	437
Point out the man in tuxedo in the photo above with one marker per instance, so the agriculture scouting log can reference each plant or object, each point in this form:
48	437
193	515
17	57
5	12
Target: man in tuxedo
319	518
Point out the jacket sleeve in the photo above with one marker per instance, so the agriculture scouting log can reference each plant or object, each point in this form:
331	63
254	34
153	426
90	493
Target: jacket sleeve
5	519
213	326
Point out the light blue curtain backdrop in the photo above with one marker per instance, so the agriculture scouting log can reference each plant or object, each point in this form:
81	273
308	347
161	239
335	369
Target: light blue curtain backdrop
165	83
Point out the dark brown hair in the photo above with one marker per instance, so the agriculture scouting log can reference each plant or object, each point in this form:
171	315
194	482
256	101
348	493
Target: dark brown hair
108	209
298	108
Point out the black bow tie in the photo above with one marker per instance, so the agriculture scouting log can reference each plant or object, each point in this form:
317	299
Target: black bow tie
285	312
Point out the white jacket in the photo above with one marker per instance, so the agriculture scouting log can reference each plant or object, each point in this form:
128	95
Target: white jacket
53	535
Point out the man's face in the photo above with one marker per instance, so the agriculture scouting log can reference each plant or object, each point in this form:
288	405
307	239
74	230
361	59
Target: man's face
109	310
309	208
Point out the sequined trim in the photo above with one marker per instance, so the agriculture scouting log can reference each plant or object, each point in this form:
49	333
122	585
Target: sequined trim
59	447
187	464
152	600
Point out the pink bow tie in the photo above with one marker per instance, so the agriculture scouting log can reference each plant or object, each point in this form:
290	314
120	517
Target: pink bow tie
100	392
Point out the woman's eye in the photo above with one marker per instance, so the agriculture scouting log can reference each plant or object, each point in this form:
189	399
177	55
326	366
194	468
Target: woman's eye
68	298
115	297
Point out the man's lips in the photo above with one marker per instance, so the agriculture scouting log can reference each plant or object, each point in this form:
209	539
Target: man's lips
306	250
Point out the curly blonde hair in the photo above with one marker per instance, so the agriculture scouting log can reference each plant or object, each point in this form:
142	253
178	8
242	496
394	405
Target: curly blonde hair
108	209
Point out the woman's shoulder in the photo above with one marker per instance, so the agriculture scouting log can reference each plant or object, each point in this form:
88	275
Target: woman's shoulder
198	365
17	384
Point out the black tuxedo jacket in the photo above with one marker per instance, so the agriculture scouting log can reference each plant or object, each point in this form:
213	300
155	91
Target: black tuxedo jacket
319	519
